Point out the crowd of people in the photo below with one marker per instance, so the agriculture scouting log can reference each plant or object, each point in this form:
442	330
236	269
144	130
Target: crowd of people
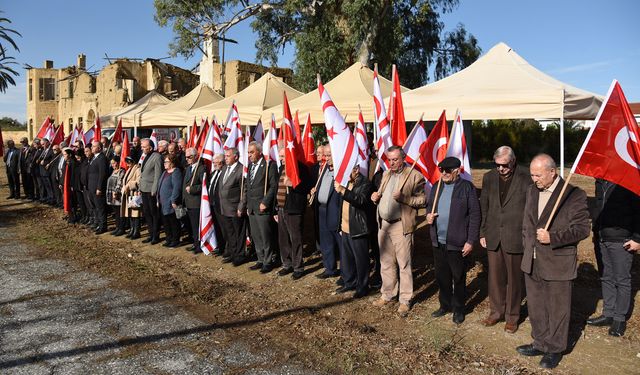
364	231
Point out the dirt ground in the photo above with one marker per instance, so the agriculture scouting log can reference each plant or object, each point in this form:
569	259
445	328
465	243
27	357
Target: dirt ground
309	324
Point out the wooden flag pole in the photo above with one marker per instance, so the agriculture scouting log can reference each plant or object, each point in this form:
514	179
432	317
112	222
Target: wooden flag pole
435	198
414	162
266	176
312	197
557	203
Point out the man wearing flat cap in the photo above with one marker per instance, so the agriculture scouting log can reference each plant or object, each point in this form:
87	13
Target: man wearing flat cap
455	227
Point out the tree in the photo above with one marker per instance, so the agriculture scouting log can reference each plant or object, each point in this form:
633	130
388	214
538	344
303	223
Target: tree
330	35
6	61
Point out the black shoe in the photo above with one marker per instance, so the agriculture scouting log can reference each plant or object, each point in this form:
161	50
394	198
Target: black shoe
129	234
155	241
458	317
256	266
175	244
227	260
325	275
167	244
135	236
100	231
529	351
113	232
191	248
344	289
440	312
600	321
266	268
240	261
147	240
617	328
285	271
297	275
340	282
360	294
550	360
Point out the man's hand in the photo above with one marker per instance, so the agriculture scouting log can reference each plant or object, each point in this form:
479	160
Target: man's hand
483	242
431	218
375	197
174	205
466	249
188	189
275	217
98	192
339	188
397	195
153	193
632	246
263	207
543	236
239	213
313	191
287	181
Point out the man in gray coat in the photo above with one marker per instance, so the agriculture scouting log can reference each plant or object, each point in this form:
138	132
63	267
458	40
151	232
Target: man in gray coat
149	175
504	193
232	207
261	187
550	258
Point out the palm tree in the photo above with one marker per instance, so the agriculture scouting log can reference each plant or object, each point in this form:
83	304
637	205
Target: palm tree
6	62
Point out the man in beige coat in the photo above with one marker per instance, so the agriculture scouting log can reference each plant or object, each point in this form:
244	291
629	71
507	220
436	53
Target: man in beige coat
400	196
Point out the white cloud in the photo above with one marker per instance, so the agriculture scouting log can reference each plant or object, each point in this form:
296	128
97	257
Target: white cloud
13	103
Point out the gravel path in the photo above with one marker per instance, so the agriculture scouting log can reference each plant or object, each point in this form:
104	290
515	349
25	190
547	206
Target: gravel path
58	319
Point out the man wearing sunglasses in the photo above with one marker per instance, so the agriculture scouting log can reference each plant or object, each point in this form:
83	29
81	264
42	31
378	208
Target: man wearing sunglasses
504	193
455	227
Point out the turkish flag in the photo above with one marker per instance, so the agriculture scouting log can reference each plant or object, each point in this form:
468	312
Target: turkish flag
396	111
612	148
59	135
308	145
193	134
290	150
435	149
66	190
97	134
117	134
125	151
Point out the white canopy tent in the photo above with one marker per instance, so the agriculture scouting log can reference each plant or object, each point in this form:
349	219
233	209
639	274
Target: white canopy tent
351	91
502	85
176	113
131	114
251	102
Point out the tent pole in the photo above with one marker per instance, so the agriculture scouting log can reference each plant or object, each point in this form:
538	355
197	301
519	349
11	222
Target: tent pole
562	138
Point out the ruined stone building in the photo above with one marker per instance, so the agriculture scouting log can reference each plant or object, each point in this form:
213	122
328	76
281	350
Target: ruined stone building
74	95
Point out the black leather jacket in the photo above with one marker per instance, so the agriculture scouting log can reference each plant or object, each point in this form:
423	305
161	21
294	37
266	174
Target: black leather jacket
359	201
617	213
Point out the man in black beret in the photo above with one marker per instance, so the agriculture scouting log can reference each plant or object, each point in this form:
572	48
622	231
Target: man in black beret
455	227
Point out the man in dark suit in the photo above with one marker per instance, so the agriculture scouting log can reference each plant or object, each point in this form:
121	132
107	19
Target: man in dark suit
291	203
327	205
12	163
45	180
455	227
97	186
55	174
504	193
34	168
261	188
214	183
192	190
232	207
549	261
25	168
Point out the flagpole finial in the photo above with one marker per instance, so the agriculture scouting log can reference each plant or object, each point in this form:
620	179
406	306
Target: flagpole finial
375	67
318	78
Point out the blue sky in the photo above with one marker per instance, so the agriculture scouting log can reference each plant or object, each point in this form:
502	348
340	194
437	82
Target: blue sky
584	43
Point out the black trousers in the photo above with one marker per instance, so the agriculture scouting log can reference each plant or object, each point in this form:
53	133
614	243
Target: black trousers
234	231
82	206
171	228
27	184
217	227
193	215
100	210
151	214
37	188
290	240
451	275
47	189
354	262
57	192
14	183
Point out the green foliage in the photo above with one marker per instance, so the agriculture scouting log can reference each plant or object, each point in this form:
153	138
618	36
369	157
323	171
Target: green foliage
330	35
7	72
526	137
8	123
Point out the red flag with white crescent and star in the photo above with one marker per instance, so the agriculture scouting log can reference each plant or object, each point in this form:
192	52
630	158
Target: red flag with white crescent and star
611	151
344	150
308	145
436	148
396	111
290	149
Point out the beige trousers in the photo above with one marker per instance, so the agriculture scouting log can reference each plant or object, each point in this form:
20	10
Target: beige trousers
395	252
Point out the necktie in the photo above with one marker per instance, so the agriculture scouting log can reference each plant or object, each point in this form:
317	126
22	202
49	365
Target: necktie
226	175
254	169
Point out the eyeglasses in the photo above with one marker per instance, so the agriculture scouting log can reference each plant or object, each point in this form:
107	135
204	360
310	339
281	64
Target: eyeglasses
190	157
446	170
506	166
